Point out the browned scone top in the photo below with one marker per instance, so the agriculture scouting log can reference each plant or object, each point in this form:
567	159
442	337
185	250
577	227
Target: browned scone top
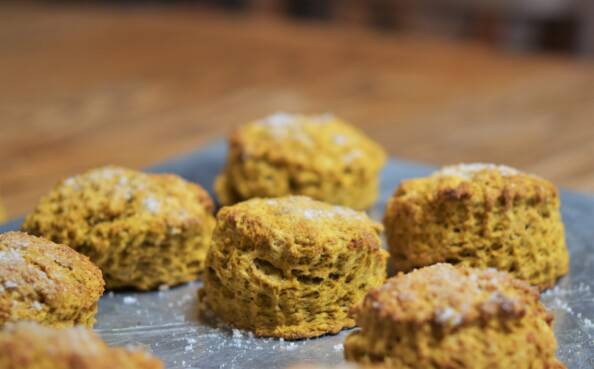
320	156
27	345
143	230
300	219
291	267
451	296
446	316
46	282
479	215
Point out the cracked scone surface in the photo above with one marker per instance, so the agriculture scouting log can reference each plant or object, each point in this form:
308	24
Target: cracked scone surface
481	215
317	156
456	317
28	345
291	267
46	282
142	230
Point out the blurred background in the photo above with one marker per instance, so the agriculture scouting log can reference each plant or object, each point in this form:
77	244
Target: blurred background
85	83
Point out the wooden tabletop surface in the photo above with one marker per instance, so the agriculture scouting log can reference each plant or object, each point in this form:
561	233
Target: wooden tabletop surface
81	87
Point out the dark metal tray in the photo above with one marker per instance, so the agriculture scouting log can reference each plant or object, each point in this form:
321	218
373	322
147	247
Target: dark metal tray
166	321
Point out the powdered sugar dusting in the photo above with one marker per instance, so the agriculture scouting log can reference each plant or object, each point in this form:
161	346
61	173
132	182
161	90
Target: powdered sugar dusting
105	173
12	260
558	299
10	284
37	305
454	293
340	139
448	316
71	183
292	126
297	206
129	300
352	155
558	291
468	171
311	214
151	204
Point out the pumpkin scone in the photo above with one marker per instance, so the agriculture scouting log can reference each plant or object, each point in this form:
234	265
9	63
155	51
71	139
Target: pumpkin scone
291	267
319	156
27	345
142	230
45	282
454	317
480	215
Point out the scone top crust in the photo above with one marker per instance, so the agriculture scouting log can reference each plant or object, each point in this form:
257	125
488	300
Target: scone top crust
53	276
451	296
115	195
301	221
319	141
494	184
30	345
469	171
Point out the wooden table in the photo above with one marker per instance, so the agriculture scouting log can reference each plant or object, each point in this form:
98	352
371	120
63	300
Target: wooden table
81	87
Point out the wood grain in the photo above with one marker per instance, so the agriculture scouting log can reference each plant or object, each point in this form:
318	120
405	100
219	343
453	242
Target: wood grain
81	87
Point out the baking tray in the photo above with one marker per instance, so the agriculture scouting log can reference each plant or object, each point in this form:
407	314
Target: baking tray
166	321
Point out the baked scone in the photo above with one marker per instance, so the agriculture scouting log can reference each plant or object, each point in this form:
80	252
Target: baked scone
446	316
291	267
45	282
317	156
27	345
142	230
481	215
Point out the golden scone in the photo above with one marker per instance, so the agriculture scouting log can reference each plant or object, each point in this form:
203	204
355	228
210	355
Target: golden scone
446	316
142	230
45	282
317	156
480	215
291	267
28	345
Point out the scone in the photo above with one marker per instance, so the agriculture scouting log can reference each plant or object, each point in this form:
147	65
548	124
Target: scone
317	156
142	230
28	345
480	215
45	282
291	267
446	316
